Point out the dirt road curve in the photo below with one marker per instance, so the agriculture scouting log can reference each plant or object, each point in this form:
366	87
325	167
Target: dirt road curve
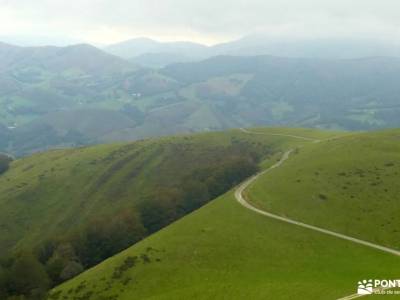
240	197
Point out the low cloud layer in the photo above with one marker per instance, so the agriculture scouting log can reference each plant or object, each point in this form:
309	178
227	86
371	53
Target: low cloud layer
106	21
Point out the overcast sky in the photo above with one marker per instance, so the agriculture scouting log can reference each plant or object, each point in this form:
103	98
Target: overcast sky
205	21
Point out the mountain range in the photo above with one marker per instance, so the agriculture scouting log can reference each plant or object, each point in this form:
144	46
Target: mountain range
152	53
78	95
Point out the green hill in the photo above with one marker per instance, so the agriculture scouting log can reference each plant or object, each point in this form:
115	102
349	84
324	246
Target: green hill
63	211
68	186
224	251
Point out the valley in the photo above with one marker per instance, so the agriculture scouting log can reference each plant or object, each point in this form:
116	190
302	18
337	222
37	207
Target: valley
62	97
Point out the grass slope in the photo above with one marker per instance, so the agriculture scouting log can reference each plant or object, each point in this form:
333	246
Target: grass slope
223	251
349	185
55	192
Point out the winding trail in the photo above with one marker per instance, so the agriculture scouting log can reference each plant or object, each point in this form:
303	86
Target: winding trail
283	135
242	200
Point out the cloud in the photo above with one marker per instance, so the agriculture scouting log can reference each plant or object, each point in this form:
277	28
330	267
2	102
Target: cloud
111	20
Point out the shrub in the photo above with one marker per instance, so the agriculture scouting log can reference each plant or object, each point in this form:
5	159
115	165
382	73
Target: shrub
28	276
71	269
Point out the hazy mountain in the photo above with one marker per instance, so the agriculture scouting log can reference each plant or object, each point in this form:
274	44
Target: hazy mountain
74	127
4	137
308	48
159	60
38	41
140	46
150	53
81	95
84	57
266	90
37	82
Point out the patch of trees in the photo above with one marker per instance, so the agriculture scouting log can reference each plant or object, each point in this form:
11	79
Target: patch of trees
29	275
5	161
167	204
23	277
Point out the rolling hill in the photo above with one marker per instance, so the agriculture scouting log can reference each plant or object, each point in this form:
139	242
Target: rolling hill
224	250
351	94
43	88
39	84
63	211
141	46
96	175
84	57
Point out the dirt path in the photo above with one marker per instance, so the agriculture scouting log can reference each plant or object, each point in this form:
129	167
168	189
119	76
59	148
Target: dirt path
284	135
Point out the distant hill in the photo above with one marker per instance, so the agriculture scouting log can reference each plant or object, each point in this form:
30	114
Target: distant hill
69	128
5	136
38	83
159	60
136	47
83	57
351	94
151	53
322	48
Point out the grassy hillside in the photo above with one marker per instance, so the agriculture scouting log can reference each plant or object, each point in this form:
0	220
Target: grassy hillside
68	186
63	211
347	185
224	251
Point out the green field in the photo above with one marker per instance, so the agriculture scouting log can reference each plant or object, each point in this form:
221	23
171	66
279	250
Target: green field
348	185
224	251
